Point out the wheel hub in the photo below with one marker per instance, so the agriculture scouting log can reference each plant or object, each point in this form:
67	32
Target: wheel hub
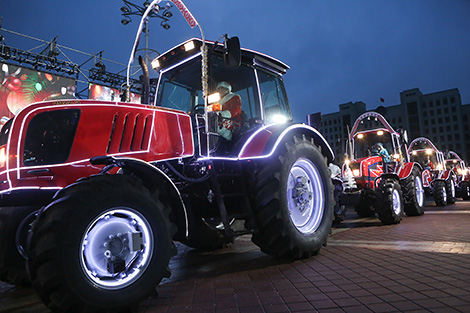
115	248
305	196
302	194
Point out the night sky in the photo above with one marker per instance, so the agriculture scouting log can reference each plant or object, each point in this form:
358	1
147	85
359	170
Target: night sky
338	51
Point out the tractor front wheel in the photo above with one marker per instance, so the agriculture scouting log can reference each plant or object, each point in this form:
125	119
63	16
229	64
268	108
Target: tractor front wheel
389	202
440	193
102	245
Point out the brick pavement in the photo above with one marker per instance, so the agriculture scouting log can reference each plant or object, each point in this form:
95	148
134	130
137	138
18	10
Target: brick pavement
419	265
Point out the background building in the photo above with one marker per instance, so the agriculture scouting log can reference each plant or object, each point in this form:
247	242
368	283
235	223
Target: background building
439	116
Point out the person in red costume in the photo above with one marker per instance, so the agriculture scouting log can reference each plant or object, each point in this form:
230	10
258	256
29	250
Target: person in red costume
231	108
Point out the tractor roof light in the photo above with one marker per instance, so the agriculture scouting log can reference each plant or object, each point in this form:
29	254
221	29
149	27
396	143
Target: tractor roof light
380	133
155	64
360	136
189	46
428	151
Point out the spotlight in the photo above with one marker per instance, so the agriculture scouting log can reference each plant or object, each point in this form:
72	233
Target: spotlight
125	9
166	26
125	21
168	14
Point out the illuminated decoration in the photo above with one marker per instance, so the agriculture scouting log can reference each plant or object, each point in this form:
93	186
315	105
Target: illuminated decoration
189	46
20	87
98	92
278	119
214	107
380	133
215	97
155	64
3	156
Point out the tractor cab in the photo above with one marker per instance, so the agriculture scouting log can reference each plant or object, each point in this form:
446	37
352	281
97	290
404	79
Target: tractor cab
374	148
424	152
253	81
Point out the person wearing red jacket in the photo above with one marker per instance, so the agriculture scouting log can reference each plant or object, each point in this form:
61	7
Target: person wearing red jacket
231	107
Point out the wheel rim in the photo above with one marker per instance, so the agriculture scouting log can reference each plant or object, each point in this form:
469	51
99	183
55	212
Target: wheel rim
419	191
305	196
116	248
444	194
396	202
452	188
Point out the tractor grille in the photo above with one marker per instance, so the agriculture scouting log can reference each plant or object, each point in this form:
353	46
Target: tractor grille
130	132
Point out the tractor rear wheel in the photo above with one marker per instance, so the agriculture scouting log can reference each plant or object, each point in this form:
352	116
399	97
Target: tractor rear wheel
293	200
102	245
389	202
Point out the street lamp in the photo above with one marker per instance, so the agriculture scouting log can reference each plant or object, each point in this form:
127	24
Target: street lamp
129	9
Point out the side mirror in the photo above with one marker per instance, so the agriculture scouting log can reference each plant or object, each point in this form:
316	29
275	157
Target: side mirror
232	53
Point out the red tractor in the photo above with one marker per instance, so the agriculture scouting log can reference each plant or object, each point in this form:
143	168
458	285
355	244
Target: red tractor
437	180
94	193
462	175
377	176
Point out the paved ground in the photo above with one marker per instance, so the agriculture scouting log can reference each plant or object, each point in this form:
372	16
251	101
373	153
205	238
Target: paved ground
420	265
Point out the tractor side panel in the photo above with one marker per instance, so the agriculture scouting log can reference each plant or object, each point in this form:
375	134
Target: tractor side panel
104	128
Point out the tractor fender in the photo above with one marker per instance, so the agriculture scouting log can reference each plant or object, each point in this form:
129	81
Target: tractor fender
446	175
152	177
407	168
264	141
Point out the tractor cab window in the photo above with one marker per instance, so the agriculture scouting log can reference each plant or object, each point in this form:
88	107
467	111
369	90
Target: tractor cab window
273	97
367	144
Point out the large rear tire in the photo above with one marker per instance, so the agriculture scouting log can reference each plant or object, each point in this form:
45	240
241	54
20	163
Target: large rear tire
413	193
389	202
102	245
293	201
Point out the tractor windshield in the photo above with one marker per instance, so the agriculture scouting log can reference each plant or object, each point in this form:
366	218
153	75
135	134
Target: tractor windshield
180	86
426	158
366	144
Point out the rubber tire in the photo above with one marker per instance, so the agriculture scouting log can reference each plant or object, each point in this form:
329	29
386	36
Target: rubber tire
277	235
450	196
410	194
465	190
388	188
439	193
12	265
55	245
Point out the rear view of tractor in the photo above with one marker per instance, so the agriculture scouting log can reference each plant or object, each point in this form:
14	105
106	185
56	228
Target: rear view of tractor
462	175
378	176
93	193
437	179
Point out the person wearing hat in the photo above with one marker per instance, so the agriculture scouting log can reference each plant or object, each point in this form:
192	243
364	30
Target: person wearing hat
381	151
231	107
